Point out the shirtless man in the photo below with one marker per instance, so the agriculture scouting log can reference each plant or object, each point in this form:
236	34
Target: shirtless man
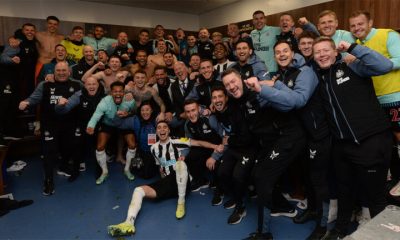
158	58
143	64
141	92
46	43
107	76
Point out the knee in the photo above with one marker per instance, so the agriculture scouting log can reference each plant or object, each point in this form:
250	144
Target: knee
181	166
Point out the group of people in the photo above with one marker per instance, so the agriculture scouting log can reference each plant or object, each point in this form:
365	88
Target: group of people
231	113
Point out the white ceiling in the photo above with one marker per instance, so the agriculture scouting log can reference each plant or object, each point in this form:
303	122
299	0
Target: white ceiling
196	7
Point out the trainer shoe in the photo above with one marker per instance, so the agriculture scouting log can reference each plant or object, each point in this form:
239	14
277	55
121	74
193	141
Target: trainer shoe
230	204
129	175
82	167
197	185
101	179
48	187
63	172
287	212
180	210
238	214
122	229
305	216
217	198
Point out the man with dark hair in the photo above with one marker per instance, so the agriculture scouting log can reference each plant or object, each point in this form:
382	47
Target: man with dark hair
17	78
264	38
174	178
47	71
207	80
249	64
279	134
238	158
170	43
99	41
110	107
142	43
199	159
74	44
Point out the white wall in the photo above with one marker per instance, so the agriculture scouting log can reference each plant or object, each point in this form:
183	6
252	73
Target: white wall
243	10
89	12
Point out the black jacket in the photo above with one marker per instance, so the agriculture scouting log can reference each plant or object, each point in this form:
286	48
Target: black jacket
348	95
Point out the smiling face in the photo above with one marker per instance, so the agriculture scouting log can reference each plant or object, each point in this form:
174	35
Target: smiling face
61	53
140	80
88	53
29	32
180	71
141	58
243	52
327	25
219	100
259	21
324	54
146	111
162	131
160	75
283	55
191	41
52	26
206	69
91	85
305	46
233	30
360	26
204	35
233	84
168	59
98	32
122	38
61	72
194	63
144	37
192	112
77	34
117	93
114	63
220	52
286	23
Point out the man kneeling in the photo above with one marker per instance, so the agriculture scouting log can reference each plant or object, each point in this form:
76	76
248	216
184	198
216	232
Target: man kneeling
173	182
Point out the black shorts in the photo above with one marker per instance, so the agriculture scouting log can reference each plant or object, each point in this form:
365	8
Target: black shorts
392	110
167	187
113	130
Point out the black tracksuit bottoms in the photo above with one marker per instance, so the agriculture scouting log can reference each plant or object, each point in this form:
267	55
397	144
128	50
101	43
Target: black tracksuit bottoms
361	168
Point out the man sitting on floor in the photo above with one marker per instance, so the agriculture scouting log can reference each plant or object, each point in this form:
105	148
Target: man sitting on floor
173	182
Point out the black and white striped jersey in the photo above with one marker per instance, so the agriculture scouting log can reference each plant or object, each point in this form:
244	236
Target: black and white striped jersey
166	154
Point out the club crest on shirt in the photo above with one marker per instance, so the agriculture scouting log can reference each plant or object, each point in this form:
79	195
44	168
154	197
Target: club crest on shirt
71	89
85	104
339	73
80	72
202	93
7	89
290	83
52	90
247	74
